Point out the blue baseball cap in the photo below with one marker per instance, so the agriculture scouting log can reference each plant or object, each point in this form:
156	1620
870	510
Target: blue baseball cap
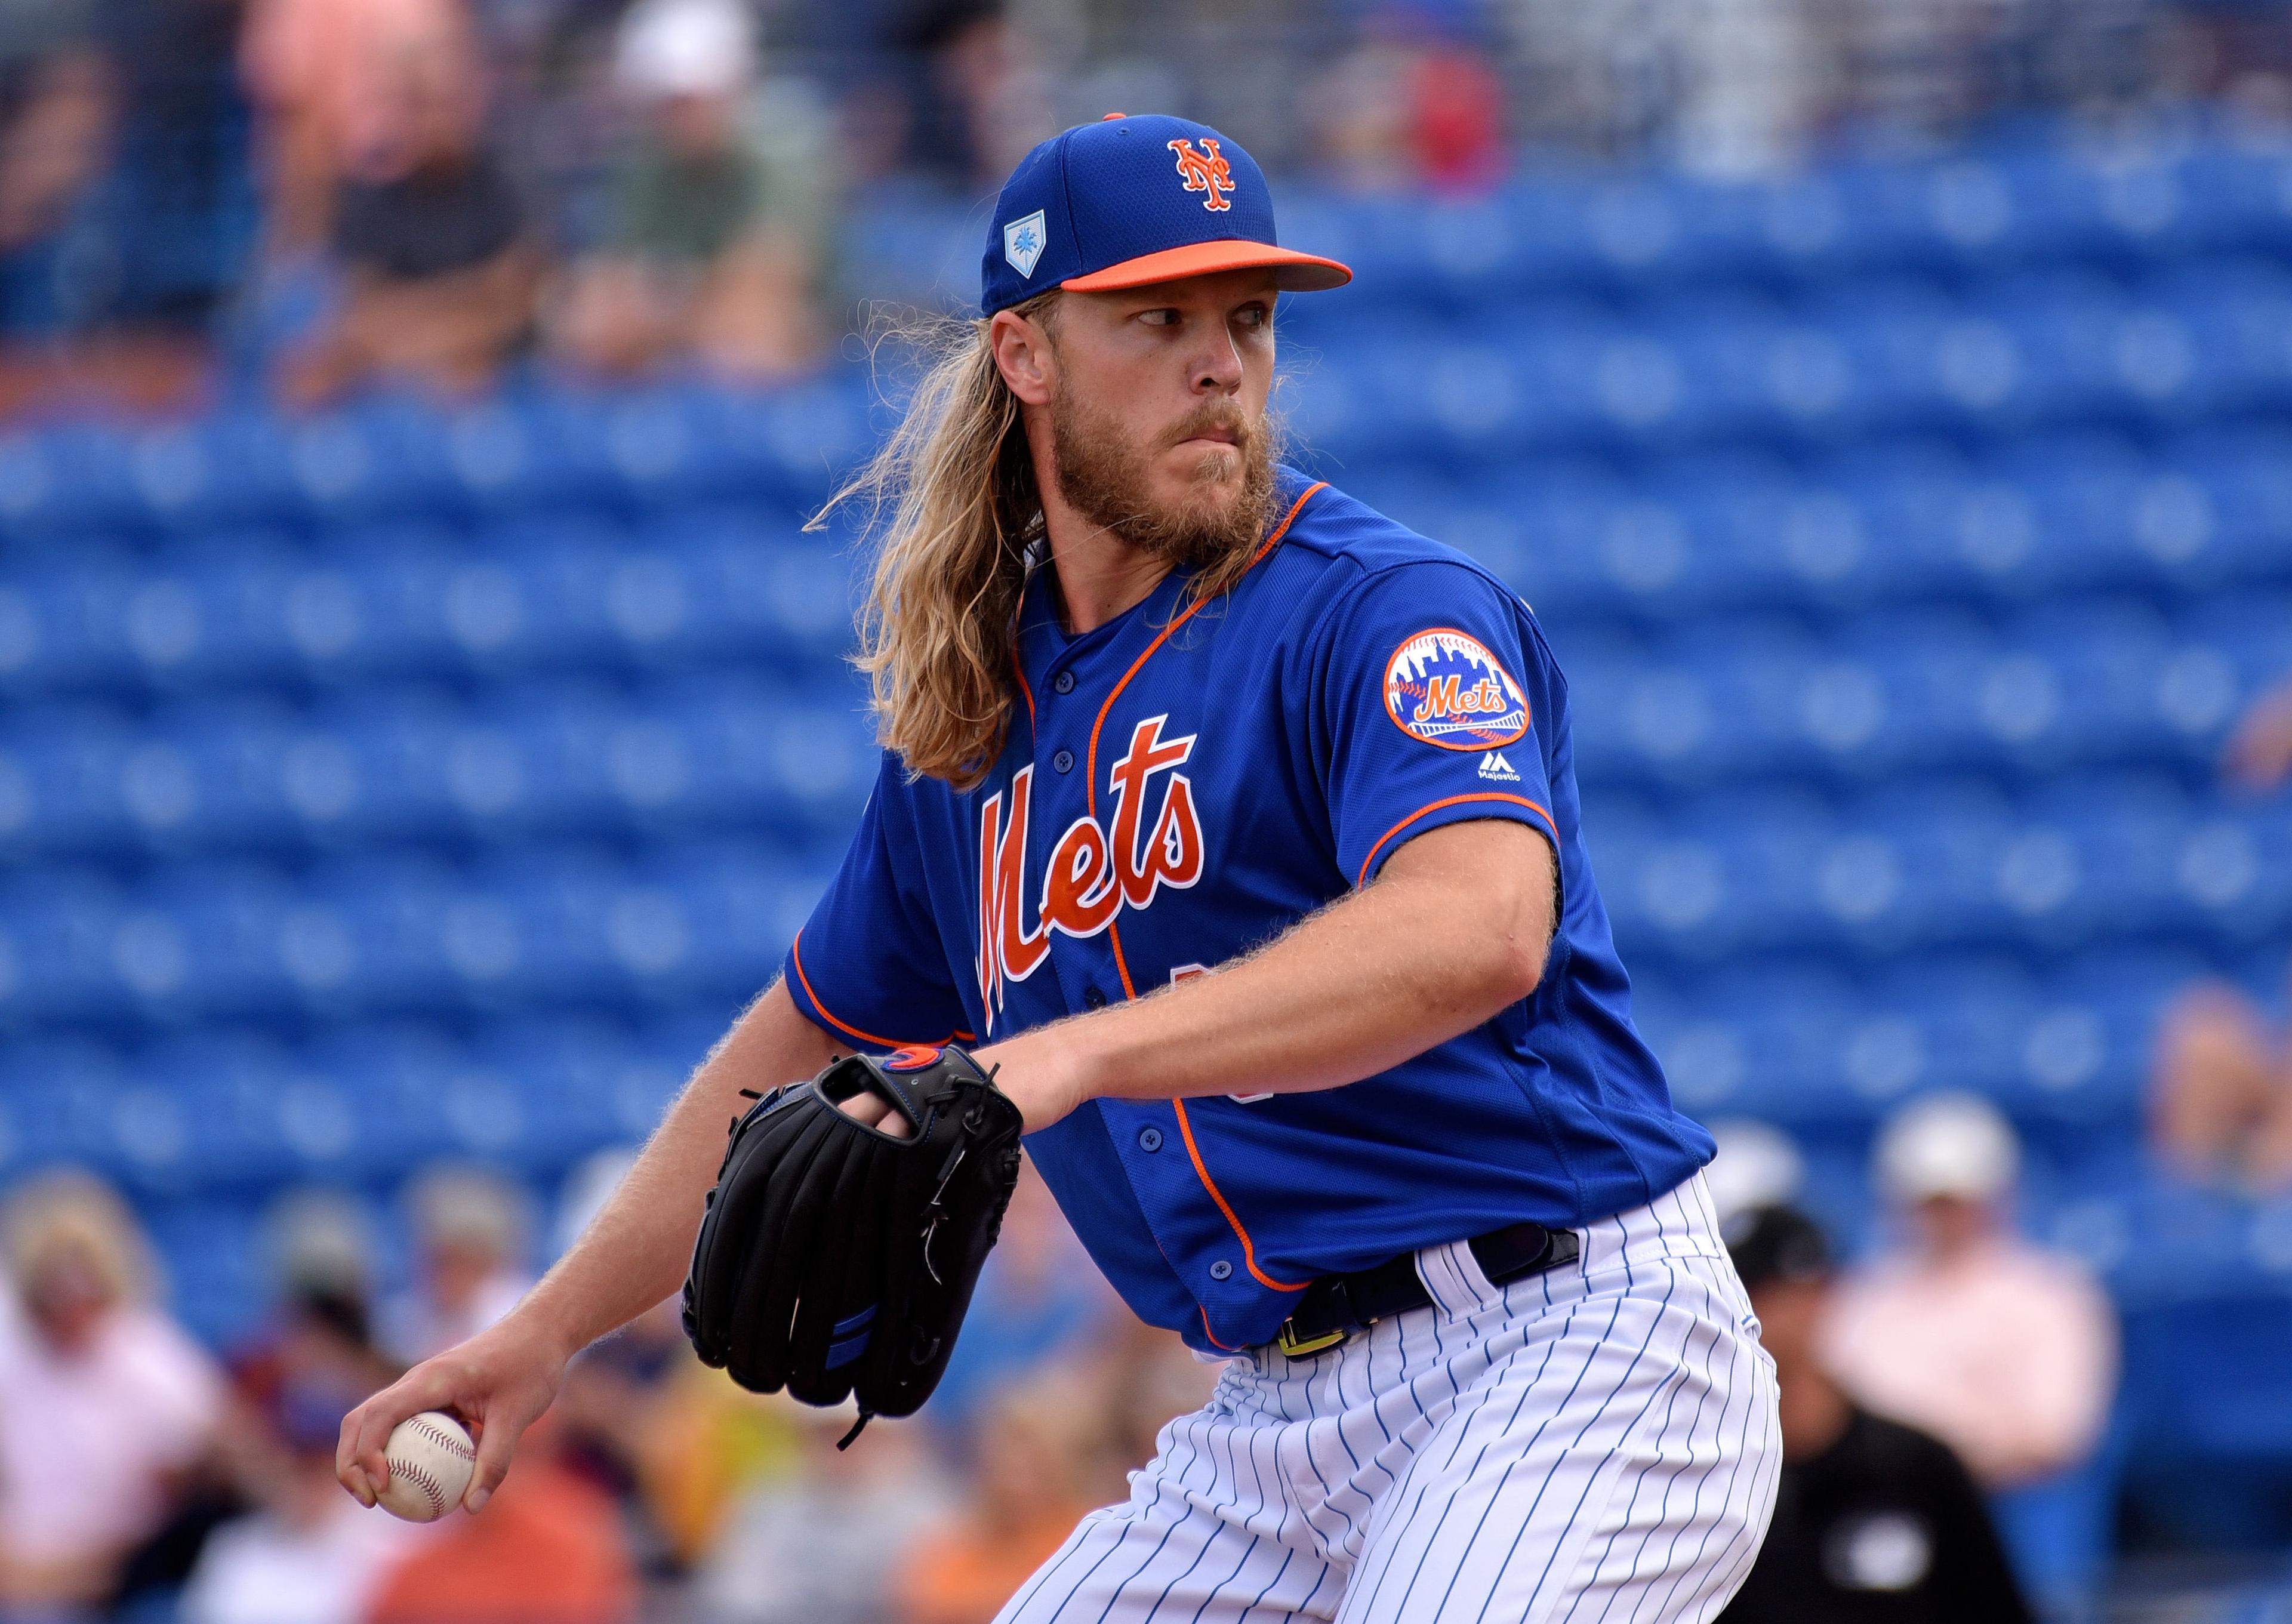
1128	201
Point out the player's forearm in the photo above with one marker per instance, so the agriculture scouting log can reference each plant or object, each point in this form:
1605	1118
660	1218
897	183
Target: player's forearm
1457	930
636	1251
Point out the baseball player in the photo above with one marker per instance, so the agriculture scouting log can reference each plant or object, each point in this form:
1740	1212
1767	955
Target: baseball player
1232	827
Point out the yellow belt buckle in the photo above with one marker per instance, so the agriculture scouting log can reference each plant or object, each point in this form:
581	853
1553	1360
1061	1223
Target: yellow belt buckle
1293	1348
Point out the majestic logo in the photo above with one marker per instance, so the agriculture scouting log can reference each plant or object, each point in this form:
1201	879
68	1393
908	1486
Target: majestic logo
1205	171
1093	873
1022	242
914	1057
1495	767
1442	686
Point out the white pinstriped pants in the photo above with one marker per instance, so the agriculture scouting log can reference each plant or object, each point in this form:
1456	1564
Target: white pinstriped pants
1594	1445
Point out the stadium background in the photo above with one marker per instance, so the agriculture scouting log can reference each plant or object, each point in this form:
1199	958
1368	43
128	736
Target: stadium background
1887	409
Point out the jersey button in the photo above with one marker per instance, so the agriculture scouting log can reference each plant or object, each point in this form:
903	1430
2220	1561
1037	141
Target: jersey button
1221	1270
1093	997
1063	682
1149	1139
1063	761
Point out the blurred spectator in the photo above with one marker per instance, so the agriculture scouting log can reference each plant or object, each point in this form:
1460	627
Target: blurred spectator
2222	1095
470	1233
1028	1490
1404	115
308	1554
125	201
1038	1299
1874	1520
616	1409
58	118
2005	1351
812	1545
644	1420
1756	1165
719	213
1126	1387
438	277
104	1403
706	1445
320	1338
964	100
325	75
2260	754
548	1545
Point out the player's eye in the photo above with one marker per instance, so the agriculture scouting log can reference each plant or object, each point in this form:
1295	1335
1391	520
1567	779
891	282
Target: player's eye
1254	316
1165	318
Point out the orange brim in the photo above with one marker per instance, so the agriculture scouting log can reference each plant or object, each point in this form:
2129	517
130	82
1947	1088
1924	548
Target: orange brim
1300	272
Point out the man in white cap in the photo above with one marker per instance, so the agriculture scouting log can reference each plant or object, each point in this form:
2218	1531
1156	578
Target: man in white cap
2006	1352
715	242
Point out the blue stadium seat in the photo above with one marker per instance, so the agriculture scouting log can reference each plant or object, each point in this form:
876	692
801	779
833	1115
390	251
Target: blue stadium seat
553	1091
2232	312
216	1266
741	901
1765	1041
1956	1022
2091	682
1913	364
759	590
2238	528
389	1080
52	1090
1943	836
368	934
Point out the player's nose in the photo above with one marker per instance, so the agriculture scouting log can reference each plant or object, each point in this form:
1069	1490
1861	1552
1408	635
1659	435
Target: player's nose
1217	368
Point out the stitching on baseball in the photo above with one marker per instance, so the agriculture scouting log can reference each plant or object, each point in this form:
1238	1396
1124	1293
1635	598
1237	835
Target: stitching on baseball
420	1479
443	1439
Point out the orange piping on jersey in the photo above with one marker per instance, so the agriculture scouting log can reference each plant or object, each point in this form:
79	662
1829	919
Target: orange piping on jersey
1454	800
1114	936
1026	692
1248	1251
1090	785
795	957
1212	1334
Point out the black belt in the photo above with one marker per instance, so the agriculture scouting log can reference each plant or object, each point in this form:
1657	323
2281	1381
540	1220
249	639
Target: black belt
1337	1306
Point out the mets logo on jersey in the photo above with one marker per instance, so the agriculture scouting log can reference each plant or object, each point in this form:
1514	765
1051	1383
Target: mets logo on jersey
1205	171
1093	873
1444	687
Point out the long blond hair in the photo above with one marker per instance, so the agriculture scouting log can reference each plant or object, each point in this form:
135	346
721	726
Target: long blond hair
951	501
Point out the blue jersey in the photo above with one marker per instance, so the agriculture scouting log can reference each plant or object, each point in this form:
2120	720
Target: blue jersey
1180	786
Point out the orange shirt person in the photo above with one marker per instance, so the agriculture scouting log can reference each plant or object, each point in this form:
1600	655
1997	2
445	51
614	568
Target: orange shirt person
1032	1462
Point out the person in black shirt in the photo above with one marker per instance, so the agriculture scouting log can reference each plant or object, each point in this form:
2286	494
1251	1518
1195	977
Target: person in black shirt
1875	1522
439	278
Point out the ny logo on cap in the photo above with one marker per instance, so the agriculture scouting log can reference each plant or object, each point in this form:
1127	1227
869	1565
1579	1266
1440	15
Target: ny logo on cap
1208	174
1022	242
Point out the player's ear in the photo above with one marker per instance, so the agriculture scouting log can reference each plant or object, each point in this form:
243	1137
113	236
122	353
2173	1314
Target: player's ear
1021	347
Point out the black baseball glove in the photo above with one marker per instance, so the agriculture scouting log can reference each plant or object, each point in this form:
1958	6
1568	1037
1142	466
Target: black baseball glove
835	1260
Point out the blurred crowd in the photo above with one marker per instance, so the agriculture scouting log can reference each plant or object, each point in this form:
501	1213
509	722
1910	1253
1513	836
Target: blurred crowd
306	197
143	1476
340	193
1957	1367
303	197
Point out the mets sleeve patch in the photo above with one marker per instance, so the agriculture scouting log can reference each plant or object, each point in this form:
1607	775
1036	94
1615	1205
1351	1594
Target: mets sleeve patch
1443	687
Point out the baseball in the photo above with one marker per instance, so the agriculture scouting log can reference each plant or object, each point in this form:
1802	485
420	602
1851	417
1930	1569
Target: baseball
430	1459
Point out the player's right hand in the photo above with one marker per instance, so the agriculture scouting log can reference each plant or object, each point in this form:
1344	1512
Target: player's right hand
498	1382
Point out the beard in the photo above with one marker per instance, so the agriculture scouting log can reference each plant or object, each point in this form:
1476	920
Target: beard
1106	476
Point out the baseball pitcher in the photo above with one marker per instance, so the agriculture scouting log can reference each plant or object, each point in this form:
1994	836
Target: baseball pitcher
1226	845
